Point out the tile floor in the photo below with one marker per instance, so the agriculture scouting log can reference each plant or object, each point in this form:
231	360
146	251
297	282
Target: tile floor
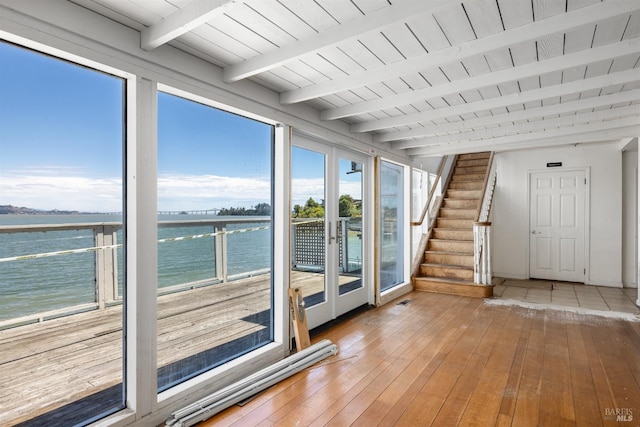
568	294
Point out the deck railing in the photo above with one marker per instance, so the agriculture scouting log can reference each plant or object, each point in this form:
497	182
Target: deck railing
107	275
307	253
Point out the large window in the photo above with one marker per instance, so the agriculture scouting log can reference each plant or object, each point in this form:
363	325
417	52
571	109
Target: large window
61	231
214	237
391	225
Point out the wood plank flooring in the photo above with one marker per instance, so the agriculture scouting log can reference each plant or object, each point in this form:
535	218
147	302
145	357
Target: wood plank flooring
443	360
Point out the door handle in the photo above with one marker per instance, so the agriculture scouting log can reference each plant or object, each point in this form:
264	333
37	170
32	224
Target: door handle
536	232
330	230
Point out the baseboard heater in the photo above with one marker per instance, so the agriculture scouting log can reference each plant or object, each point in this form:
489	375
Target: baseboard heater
247	387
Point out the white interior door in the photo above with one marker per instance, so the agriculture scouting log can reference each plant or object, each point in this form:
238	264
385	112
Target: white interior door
557	225
328	229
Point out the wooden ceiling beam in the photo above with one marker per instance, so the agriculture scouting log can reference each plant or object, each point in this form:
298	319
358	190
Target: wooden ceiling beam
503	101
608	135
554	25
182	21
533	113
534	69
532	127
375	21
629	123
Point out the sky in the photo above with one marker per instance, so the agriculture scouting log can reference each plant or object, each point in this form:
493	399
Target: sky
61	145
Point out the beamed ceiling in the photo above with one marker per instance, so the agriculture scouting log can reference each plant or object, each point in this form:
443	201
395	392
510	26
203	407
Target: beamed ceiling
427	76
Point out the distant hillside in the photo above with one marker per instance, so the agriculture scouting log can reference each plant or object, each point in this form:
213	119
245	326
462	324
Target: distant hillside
19	210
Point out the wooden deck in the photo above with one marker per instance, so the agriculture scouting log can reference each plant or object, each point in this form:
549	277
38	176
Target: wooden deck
443	360
51	369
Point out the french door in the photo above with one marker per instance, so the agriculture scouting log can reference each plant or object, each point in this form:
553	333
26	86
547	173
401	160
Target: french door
328	229
557	225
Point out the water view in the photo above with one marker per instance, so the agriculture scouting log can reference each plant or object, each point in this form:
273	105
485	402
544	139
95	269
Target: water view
49	270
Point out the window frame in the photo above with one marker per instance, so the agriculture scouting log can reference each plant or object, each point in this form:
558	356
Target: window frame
385	296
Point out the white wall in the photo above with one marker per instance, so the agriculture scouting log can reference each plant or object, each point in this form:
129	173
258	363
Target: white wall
510	215
629	218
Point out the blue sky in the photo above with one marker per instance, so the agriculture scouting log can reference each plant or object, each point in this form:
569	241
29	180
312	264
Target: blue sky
61	140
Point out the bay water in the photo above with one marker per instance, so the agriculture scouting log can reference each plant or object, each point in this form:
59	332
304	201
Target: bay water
36	285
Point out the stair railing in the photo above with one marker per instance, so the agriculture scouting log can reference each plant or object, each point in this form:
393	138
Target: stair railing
432	192
482	229
431	208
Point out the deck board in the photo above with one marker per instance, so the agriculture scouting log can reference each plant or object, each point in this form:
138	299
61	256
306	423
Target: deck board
84	351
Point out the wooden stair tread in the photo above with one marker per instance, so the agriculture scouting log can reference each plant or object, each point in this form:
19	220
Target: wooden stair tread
452	266
448	253
452	287
447	229
452	281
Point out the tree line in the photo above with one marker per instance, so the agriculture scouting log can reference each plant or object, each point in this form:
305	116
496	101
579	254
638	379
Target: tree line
261	209
347	207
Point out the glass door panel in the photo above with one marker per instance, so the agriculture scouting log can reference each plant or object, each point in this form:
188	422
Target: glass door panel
349	230
351	233
308	242
391	207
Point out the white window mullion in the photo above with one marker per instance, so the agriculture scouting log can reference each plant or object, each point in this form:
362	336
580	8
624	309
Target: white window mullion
142	248
281	234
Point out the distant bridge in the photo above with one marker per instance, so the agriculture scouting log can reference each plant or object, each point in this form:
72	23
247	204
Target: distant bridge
213	211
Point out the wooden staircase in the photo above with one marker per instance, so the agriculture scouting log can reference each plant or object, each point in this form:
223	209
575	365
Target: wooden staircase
447	265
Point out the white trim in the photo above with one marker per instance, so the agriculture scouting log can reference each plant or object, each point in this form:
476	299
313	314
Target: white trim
637	229
142	259
406	233
395	292
281	274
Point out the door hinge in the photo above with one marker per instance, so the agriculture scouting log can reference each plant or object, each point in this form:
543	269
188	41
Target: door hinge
585	181
584	271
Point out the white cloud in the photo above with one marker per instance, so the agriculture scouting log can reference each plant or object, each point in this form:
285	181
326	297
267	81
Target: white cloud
69	189
193	192
44	189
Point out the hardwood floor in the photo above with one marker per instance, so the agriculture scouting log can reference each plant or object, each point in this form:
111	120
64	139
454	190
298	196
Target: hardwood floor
444	360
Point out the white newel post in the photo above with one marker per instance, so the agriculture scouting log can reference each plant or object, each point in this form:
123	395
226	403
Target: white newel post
482	253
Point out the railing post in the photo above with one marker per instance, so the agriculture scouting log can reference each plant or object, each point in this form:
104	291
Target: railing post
293	250
98	239
221	251
106	264
482	253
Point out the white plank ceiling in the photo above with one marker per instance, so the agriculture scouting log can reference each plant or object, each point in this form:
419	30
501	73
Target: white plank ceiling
427	76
